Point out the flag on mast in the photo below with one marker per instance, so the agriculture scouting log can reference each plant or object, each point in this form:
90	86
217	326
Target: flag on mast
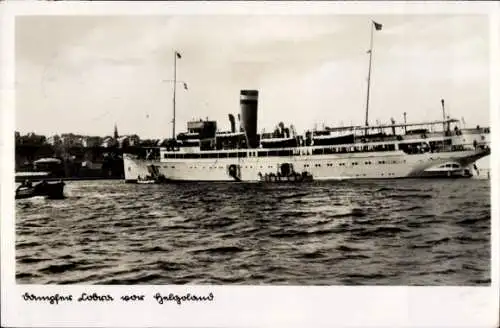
178	55
378	26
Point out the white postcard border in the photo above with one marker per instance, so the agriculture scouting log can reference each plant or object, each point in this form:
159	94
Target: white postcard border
242	305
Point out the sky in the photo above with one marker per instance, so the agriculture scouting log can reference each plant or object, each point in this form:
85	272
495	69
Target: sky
83	74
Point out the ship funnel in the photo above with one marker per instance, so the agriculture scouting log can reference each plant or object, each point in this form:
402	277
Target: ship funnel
233	124
248	103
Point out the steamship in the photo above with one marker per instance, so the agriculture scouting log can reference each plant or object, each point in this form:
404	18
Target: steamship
440	148
202	153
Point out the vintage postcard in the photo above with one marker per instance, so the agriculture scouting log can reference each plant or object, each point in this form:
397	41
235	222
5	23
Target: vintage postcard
249	164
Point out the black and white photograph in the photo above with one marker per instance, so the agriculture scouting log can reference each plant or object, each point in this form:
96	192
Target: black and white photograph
262	150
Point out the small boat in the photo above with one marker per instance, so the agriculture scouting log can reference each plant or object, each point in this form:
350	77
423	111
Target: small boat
286	173
448	170
51	190
151	179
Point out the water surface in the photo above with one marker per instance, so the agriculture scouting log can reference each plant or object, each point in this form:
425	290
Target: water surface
381	232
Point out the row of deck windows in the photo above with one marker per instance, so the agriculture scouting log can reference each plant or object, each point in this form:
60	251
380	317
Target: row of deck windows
305	165
283	152
221	167
356	163
382	174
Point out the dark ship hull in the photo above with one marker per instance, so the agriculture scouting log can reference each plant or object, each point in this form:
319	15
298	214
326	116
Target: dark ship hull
51	190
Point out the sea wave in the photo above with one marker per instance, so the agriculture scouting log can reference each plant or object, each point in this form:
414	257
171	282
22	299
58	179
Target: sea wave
387	232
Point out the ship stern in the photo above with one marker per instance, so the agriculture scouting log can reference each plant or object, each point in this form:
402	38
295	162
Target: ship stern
134	168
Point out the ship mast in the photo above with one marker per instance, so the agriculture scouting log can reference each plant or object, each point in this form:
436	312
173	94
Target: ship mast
173	99
377	27
444	115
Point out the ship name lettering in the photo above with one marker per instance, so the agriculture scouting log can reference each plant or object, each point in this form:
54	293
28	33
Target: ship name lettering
95	298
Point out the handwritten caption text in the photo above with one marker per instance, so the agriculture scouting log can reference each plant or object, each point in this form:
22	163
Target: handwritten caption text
106	298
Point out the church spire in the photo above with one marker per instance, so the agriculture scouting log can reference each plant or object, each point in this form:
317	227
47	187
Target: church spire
116	132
